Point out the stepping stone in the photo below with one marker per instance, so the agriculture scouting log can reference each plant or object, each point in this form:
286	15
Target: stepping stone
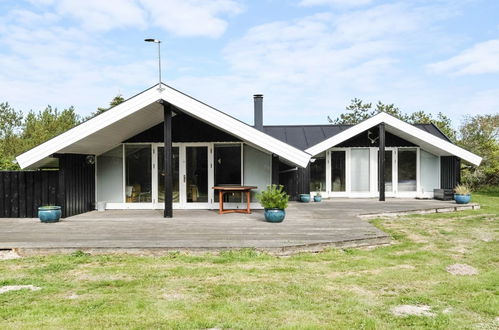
406	310
462	269
8	288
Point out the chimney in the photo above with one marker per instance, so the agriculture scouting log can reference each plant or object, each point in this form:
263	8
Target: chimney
258	101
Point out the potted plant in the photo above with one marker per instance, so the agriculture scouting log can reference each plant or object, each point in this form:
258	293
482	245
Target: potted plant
274	200
317	197
462	194
49	213
304	198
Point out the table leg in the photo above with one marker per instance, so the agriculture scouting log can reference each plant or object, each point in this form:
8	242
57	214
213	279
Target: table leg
220	202
248	202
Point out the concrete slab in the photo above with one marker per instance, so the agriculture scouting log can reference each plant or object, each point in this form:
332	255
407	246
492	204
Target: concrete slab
307	227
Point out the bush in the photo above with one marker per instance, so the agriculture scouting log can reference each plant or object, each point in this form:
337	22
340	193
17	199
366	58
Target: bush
273	198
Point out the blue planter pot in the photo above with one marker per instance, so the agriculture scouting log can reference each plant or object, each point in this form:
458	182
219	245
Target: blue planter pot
274	215
49	213
462	199
305	198
317	198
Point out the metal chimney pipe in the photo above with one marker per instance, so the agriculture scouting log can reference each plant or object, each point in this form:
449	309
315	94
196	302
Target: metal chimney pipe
258	102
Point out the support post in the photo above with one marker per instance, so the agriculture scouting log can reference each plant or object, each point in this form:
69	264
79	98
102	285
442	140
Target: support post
168	159
381	163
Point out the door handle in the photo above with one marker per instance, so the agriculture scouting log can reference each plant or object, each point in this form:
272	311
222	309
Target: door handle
184	178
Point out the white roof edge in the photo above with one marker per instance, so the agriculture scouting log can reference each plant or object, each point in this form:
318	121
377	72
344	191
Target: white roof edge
184	102
401	125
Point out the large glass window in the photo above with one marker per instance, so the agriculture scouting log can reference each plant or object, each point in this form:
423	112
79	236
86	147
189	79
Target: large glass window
318	173
197	174
338	171
161	174
138	173
359	165
388	171
110	176
228	169
407	169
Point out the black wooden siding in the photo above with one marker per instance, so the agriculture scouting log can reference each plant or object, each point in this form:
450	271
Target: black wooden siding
76	185
450	172
295	181
22	192
185	129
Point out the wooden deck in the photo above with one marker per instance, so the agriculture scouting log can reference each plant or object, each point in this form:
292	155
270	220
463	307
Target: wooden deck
307	227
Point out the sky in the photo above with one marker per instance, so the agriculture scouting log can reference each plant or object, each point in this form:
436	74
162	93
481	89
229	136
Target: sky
308	57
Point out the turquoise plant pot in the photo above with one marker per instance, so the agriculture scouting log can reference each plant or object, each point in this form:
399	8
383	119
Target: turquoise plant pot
305	198
462	199
274	215
49	213
317	198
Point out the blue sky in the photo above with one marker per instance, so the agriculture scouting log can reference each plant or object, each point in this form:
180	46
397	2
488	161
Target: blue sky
308	57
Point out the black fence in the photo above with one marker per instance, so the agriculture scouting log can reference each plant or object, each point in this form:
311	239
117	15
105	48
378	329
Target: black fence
22	192
72	187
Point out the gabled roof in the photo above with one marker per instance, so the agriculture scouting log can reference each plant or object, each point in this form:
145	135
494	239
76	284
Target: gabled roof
306	136
141	112
423	138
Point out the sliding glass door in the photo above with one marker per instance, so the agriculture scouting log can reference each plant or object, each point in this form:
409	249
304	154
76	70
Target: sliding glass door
192	176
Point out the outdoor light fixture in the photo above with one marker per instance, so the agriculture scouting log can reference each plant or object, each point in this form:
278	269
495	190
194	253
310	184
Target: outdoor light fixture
156	41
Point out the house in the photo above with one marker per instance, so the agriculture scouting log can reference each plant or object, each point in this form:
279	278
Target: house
121	157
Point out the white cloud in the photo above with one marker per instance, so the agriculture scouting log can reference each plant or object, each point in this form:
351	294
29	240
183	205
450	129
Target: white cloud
480	58
191	17
103	15
179	17
335	2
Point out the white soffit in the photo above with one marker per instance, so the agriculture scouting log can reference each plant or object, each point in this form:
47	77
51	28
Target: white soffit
404	130
141	112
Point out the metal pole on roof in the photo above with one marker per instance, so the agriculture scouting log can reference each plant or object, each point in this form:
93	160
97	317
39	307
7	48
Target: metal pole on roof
156	41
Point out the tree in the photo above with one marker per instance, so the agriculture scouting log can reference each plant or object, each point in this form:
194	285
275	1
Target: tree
41	126
114	102
480	134
10	123
359	111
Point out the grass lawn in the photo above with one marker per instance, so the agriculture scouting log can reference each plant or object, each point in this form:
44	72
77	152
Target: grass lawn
350	288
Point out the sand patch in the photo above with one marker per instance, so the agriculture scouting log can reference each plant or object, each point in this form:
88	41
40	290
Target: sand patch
407	310
8	288
8	255
462	270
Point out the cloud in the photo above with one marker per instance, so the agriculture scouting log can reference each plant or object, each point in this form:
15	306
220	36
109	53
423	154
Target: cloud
352	3
478	59
178	17
191	17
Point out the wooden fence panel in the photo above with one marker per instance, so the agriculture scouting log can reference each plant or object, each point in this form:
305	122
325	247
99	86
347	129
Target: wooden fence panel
22	192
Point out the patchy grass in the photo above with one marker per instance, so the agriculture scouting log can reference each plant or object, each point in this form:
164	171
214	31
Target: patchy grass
350	288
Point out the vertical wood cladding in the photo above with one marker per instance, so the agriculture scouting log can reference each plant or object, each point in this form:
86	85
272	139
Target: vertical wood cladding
76	185
295	181
22	192
450	172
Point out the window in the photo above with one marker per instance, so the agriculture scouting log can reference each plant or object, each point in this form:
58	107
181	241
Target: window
227	158
138	173
388	171
360	170
161	175
338	171
407	169
318	173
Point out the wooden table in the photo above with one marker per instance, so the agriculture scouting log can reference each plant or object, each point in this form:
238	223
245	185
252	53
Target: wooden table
222	190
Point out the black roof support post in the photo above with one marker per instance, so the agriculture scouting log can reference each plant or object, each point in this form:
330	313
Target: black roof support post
168	159
381	162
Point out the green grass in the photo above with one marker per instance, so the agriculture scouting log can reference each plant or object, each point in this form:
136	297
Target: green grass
349	288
